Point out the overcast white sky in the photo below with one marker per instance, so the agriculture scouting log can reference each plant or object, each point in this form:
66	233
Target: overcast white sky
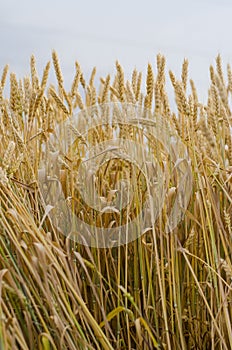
100	32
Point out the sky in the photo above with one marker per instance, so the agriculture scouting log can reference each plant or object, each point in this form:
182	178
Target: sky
97	33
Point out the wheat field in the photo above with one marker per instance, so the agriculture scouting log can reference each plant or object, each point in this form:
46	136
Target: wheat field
162	290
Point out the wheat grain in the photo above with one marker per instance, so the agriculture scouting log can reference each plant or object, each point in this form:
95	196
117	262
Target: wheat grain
165	102
230	148
134	80
207	132
194	91
45	76
75	80
104	97
58	72
181	100
229	77
212	75
157	99
222	92
8	155
130	93
138	88
35	106
31	108
1	98
121	87
158	61
184	75
34	74
27	94
4	75
3	177
173	78
68	100
58	101
149	86
93	96
88	96
227	221
82	80
13	92
92	76
79	101
150	80
191	239
176	124
114	93
161	70
219	69
214	109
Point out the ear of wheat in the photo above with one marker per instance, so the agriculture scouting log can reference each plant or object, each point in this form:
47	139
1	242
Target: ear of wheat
167	291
